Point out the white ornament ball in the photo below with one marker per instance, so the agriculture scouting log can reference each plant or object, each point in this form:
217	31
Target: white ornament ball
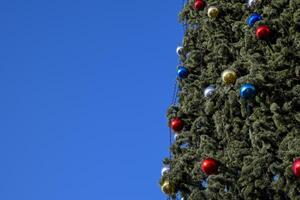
179	50
208	92
165	170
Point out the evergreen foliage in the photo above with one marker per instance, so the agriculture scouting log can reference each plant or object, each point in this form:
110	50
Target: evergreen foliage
252	139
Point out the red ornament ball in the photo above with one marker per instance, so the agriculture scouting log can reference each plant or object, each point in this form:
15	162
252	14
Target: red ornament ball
296	167
209	166
199	4
176	124
263	32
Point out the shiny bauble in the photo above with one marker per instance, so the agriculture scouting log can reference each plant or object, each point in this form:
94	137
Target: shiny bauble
296	168
229	76
182	72
209	166
253	3
165	170
213	12
263	32
168	188
175	136
247	91
179	50
209	91
254	17
199	5
176	124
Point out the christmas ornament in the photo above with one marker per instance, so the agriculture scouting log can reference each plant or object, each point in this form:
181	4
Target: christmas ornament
296	167
276	178
247	91
175	136
188	55
182	72
204	184
213	12
229	76
176	124
165	170
179	50
199	5
208	92
168	188
209	166
253	3
254	17
263	32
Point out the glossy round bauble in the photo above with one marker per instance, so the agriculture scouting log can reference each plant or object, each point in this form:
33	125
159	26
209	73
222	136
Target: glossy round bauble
165	170
168	188
182	72
254	17
296	168
176	124
229	76
209	166
209	91
199	5
175	136
179	50
253	3
213	12
247	91
263	32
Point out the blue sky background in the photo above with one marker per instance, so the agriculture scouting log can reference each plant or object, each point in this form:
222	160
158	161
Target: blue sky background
85	85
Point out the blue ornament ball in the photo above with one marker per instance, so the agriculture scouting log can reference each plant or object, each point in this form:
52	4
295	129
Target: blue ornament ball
254	17
247	91
182	72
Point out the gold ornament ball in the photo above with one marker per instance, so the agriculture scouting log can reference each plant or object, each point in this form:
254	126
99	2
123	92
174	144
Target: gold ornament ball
229	76
213	12
168	188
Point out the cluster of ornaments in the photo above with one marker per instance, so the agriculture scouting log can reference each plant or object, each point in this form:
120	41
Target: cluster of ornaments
262	32
247	90
209	166
212	11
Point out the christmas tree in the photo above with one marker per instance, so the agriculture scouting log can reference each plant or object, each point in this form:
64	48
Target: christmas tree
237	118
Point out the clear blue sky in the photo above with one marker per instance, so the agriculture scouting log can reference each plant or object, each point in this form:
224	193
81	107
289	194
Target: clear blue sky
85	85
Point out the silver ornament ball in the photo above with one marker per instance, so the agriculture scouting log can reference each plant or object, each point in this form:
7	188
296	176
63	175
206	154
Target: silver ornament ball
175	136
253	3
165	170
209	91
179	50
